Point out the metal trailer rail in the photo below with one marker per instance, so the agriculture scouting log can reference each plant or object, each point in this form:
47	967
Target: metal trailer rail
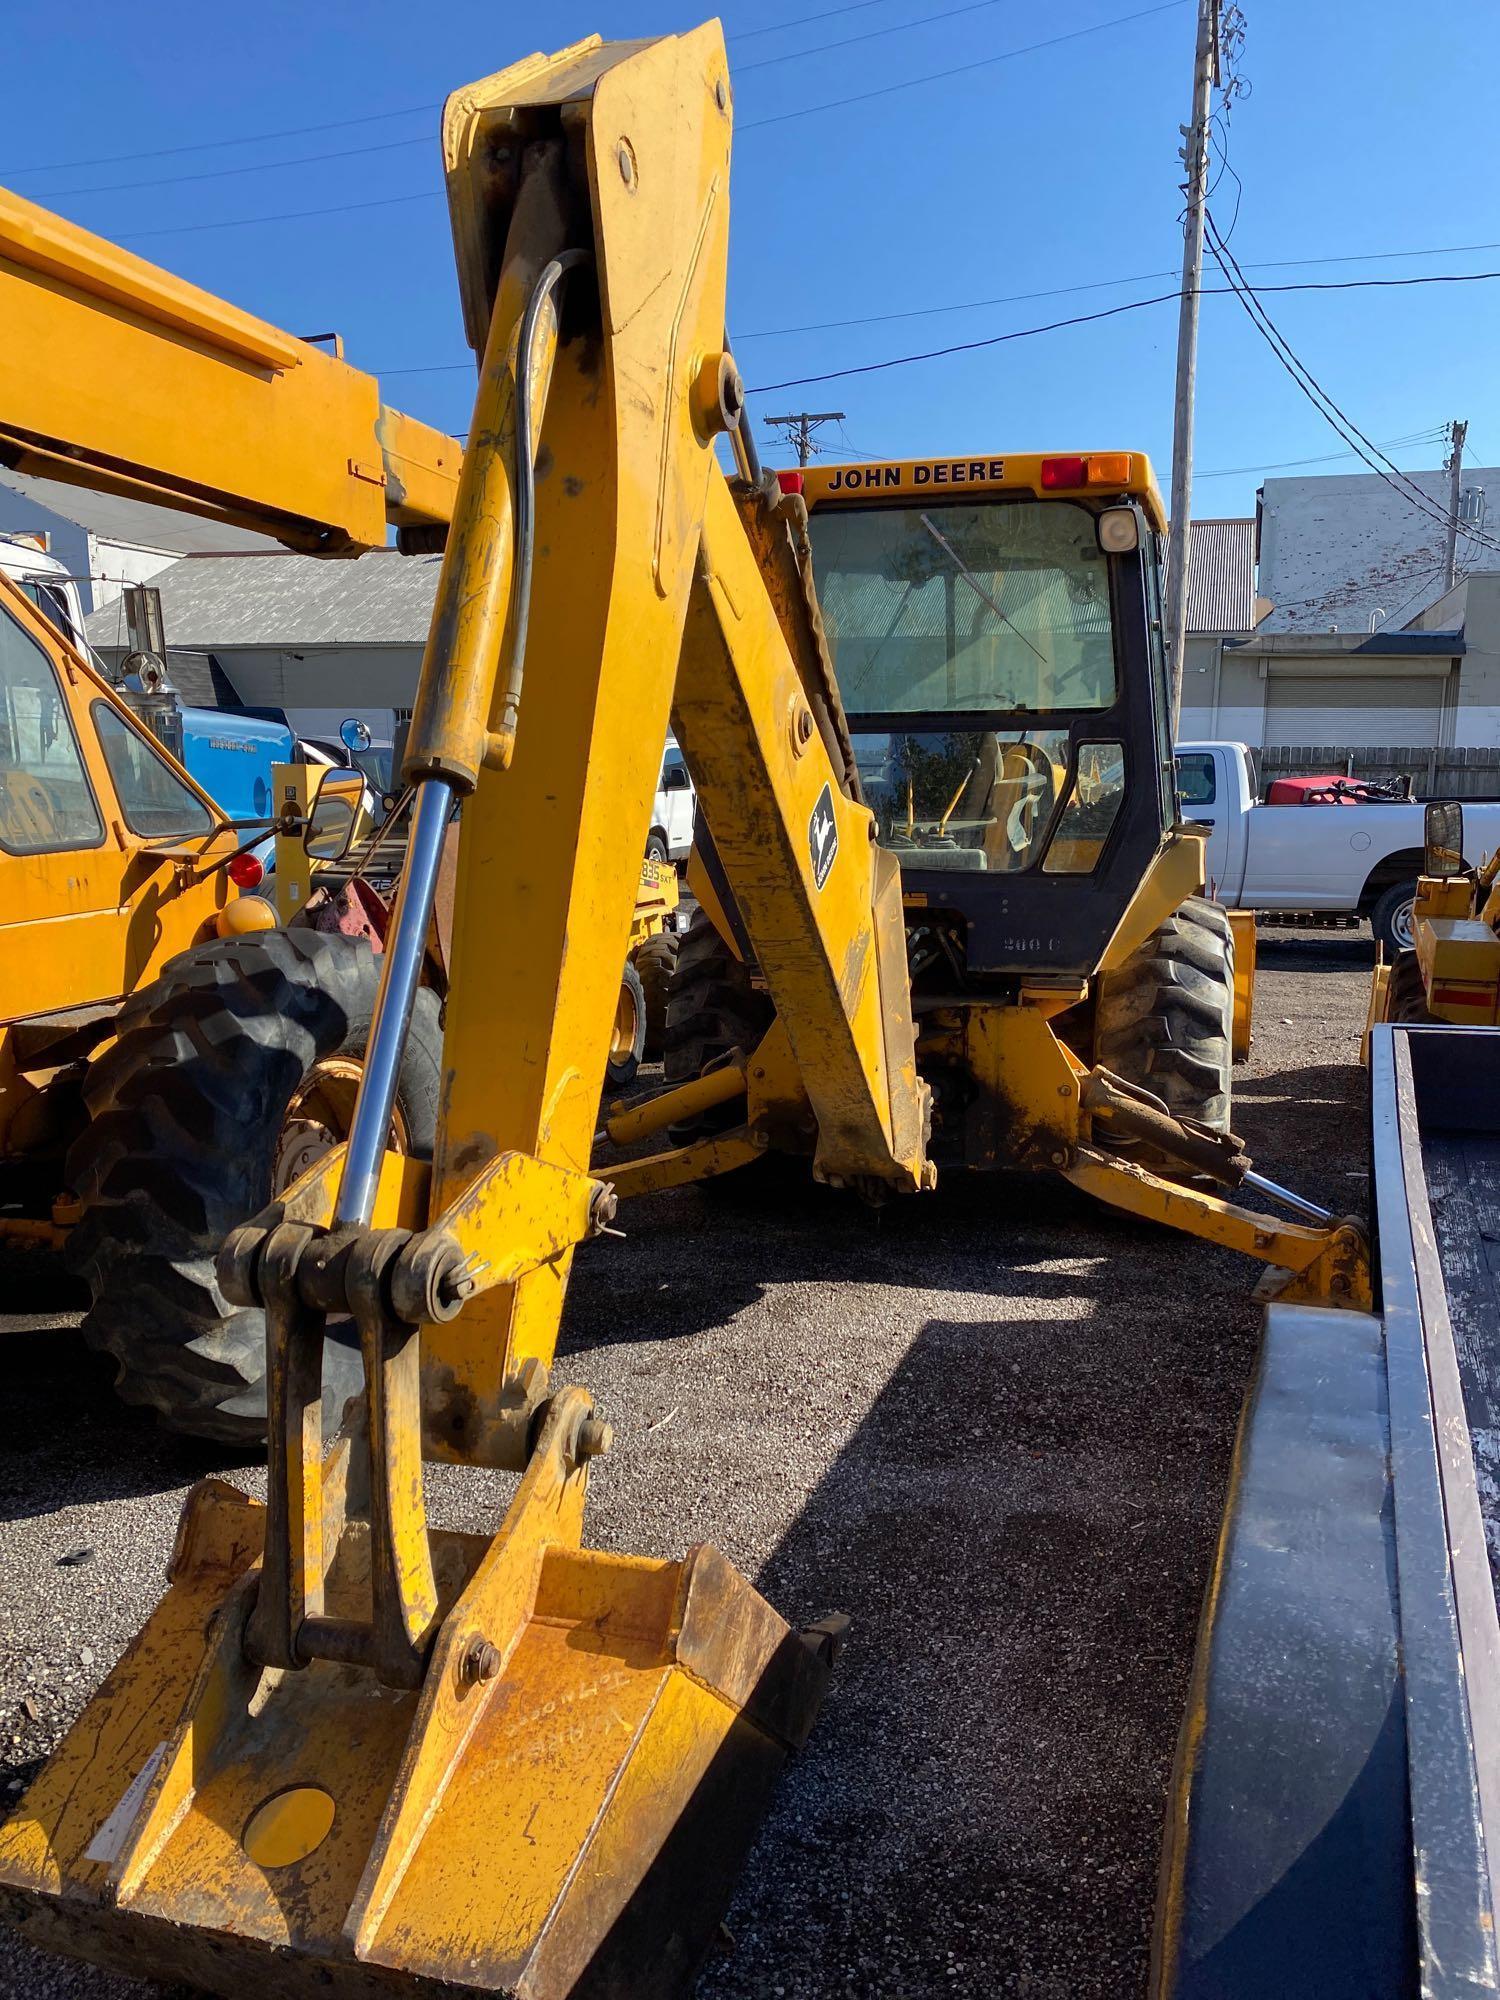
1334	1819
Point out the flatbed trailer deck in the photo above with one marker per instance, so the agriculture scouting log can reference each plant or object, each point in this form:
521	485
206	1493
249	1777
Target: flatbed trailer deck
1334	1823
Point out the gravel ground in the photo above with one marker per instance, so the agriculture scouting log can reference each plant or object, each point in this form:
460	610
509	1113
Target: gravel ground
993	1425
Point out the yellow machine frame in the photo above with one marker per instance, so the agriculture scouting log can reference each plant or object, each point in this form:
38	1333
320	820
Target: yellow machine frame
348	1744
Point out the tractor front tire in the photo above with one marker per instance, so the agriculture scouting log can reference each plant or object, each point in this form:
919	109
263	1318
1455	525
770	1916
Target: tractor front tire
1406	995
1164	1020
655	960
187	1108
628	1037
713	1007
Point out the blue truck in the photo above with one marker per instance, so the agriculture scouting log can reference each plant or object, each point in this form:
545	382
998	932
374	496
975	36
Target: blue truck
228	753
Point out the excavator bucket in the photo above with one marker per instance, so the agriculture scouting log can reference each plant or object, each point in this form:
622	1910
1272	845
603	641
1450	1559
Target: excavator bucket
559	1808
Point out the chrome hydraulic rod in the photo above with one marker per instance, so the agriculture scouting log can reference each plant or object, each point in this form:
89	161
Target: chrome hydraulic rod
401	971
1298	1204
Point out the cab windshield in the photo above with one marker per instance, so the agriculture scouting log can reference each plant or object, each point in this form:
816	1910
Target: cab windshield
947	610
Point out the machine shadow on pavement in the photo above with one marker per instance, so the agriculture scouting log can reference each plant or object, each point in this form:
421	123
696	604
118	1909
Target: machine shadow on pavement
68	1435
1016	1506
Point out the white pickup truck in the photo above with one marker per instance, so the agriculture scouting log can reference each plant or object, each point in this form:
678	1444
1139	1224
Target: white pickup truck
1362	860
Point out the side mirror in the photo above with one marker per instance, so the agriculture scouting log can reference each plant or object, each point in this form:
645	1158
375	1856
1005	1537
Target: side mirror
1443	838
354	733
332	823
675	778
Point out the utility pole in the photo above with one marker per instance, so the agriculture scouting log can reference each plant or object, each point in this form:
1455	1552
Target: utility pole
1195	157
801	425
1454	465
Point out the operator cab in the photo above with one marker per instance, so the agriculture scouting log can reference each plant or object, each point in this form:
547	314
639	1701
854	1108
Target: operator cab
995	626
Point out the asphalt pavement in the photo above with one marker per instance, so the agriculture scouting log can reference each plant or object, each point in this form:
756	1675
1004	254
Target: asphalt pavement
993	1425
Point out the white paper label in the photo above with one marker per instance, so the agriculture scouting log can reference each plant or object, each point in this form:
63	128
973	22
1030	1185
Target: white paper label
107	1842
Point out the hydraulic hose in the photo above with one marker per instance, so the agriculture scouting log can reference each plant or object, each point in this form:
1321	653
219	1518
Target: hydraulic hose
406	944
503	739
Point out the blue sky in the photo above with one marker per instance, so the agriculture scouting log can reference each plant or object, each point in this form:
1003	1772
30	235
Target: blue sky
1048	170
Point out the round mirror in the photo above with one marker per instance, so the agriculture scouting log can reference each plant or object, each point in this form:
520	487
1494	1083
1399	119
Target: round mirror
354	733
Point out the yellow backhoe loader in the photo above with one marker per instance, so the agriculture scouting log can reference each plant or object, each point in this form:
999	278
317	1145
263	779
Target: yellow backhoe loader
1452	971
354	1753
166	1053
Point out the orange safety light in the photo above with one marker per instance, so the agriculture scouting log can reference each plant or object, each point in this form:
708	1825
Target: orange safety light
1095	468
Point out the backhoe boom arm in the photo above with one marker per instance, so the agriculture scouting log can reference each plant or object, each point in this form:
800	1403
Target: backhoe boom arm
118	377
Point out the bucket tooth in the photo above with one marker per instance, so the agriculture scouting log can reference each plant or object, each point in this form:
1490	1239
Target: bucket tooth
561	1814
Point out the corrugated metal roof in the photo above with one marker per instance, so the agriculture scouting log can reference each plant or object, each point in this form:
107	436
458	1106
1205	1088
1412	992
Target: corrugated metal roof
1221	576
218	602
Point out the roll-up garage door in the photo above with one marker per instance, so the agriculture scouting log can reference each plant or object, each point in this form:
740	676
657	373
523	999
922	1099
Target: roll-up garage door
1343	710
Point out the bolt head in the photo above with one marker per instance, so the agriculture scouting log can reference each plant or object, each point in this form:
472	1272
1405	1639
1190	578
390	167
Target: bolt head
625	156
594	1437
721	94
481	1662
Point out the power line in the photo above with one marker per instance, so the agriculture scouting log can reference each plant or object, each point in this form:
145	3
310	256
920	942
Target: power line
1323	458
1113	312
225	173
214	145
424	139
1052	292
780	27
800	426
870	35
963	69
1337	418
390	201
296	215
288	215
1107	284
366	118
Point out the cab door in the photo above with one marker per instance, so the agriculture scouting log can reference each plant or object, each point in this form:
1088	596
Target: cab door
91	901
1198	793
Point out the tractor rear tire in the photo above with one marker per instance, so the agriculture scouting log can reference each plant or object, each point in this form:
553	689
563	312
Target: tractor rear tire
1165	1019
655	959
186	1110
712	1008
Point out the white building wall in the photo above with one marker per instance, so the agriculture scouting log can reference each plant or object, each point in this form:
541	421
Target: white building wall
1348	553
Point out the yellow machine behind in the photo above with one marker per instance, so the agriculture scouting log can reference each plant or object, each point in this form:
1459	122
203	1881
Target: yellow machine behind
1452	971
351	1752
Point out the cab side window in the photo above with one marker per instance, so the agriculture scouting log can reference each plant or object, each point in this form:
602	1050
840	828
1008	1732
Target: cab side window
50	601
1195	778
154	802
46	802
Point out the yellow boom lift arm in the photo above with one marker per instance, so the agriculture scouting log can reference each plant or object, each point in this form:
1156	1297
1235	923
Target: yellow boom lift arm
118	377
347	1743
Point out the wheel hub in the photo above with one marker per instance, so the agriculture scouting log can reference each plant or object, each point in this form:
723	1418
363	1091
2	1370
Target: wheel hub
319	1117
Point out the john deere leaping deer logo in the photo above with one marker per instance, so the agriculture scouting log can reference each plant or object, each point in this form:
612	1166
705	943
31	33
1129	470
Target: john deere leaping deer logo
822	837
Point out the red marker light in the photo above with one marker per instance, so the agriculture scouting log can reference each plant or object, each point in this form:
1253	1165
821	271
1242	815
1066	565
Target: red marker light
245	871
789	482
1064	472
